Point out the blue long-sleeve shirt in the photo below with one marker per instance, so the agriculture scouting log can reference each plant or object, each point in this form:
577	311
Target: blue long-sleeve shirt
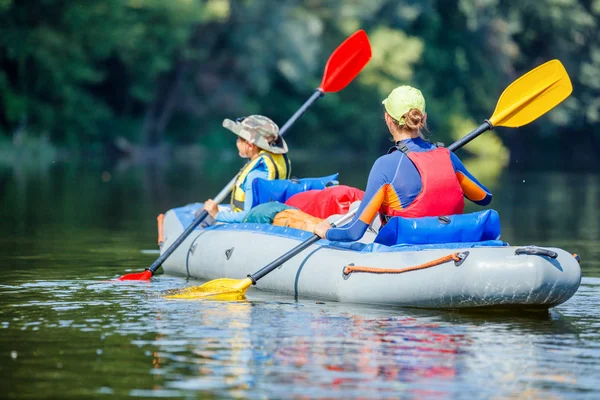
260	171
394	181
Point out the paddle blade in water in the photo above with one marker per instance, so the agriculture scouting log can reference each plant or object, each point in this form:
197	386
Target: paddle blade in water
138	276
218	289
346	62
532	95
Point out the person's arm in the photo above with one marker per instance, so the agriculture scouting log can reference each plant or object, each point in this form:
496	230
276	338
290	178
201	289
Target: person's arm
369	207
232	216
472	189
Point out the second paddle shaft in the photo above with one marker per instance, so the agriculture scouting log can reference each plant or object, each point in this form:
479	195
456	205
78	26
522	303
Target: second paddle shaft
276	263
487	125
315	96
201	217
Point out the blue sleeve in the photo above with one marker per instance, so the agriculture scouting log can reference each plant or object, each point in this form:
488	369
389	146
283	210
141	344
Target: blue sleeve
369	206
232	216
472	189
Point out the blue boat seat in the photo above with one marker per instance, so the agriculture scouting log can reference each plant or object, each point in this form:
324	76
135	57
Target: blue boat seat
264	190
475	227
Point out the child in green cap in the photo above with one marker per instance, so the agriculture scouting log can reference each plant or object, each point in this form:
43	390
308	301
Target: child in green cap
415	178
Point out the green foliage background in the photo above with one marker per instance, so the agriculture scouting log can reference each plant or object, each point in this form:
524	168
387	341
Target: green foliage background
80	74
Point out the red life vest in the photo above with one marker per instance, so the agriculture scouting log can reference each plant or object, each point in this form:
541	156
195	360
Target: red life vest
440	194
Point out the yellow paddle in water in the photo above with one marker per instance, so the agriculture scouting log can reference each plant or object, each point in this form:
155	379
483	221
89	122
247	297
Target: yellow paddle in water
525	100
235	289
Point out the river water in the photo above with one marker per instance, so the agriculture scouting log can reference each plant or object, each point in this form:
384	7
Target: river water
67	331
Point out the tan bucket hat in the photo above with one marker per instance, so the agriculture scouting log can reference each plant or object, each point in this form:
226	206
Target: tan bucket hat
260	131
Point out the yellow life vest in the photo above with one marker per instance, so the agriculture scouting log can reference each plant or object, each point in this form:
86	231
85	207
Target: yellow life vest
278	166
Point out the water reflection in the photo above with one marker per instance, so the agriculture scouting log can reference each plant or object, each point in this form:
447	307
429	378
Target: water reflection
553	209
271	346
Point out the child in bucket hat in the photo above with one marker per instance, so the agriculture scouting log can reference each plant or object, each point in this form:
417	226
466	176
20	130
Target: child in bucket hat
258	141
259	131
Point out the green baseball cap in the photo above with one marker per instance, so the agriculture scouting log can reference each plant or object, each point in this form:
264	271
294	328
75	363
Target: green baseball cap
401	100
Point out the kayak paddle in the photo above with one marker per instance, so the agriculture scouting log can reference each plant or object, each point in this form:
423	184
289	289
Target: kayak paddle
523	101
342	67
526	99
235	289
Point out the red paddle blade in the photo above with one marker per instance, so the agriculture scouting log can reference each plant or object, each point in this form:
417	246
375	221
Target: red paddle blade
138	276
346	62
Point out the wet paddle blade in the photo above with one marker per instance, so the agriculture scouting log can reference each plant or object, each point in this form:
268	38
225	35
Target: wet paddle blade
218	289
346	62
138	276
532	95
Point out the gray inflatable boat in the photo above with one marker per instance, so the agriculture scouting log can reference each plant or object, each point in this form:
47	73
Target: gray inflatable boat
452	275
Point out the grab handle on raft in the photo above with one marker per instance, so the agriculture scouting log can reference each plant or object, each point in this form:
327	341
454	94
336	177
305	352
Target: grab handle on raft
536	251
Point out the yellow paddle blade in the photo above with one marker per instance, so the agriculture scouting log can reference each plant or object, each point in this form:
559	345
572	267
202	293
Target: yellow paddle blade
532	95
218	289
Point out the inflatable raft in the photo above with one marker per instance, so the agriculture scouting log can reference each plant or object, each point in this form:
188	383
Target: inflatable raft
486	273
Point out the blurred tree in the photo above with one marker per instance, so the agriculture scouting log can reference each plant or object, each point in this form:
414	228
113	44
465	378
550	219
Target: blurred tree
67	66
84	73
531	32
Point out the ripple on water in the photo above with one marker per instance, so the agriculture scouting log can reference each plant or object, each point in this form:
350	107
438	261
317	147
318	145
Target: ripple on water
274	347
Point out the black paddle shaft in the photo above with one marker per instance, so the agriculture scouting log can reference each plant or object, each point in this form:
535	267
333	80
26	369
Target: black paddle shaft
313	239
487	125
315	96
156	265
274	264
